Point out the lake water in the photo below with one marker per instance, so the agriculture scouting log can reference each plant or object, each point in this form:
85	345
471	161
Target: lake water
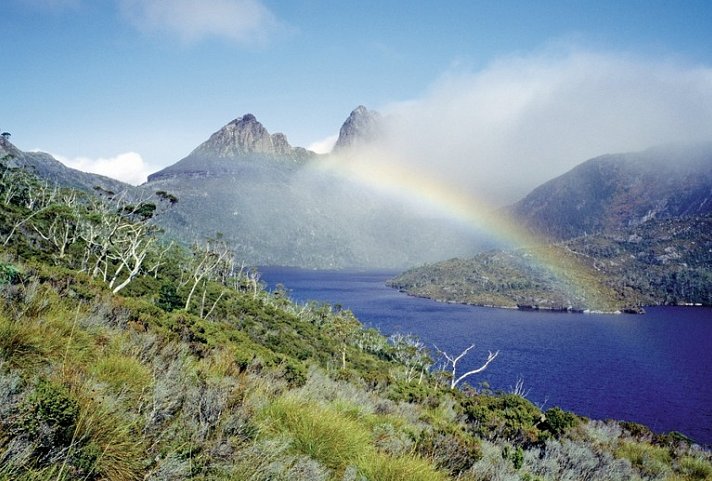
655	369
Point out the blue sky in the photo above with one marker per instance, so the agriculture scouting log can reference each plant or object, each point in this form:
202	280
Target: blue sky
90	80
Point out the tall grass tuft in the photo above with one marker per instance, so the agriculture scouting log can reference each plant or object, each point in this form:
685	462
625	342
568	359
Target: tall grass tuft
320	432
124	375
22	344
652	461
109	444
381	467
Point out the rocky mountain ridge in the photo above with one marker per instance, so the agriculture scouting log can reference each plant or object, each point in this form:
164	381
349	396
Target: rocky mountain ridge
48	168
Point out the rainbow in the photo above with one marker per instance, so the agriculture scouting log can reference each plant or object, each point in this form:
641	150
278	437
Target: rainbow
424	188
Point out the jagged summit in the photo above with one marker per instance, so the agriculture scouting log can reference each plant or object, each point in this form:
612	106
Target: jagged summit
361	126
244	135
243	139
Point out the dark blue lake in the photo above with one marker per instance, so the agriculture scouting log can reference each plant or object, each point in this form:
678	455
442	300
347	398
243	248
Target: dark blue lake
655	369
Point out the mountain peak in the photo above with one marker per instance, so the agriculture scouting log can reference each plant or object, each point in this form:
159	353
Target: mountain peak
244	135
361	126
242	139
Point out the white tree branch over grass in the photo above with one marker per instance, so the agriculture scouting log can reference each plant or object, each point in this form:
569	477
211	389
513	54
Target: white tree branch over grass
452	365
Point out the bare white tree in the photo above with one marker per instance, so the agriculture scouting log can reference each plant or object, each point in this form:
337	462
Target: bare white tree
130	250
412	354
208	261
452	364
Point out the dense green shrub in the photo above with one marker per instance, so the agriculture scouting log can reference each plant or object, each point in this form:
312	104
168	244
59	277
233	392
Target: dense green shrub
505	416
8	273
50	415
557	421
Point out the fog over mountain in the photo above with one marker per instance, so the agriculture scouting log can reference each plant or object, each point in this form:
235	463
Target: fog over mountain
617	191
500	131
277	204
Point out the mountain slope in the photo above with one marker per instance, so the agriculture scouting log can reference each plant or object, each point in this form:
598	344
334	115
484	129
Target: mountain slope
636	228
50	169
615	191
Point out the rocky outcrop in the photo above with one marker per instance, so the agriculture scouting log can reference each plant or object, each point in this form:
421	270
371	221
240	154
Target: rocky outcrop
360	127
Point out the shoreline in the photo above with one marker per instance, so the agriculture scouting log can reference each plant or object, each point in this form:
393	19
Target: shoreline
640	310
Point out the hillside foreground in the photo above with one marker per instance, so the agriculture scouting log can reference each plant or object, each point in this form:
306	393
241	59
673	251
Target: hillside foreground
124	357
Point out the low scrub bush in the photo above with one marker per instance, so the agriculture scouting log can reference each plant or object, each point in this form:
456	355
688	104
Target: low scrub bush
8	273
557	421
652	461
507	416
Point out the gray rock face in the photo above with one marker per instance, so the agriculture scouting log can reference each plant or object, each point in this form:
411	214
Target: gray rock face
244	135
362	126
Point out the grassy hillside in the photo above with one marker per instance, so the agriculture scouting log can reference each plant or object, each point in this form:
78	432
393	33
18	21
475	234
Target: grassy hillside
126	358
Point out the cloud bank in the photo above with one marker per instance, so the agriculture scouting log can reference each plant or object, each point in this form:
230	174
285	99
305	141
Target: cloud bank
523	120
243	21
128	167
323	146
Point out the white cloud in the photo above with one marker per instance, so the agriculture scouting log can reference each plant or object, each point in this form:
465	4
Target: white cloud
503	130
323	146
244	21
128	167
